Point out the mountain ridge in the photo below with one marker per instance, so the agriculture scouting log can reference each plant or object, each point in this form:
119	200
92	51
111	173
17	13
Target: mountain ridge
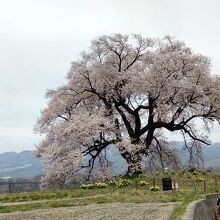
26	165
23	164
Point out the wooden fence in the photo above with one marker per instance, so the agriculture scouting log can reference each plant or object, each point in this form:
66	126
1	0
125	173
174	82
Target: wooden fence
14	187
211	183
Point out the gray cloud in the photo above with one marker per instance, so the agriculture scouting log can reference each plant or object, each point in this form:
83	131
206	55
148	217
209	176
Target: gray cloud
40	38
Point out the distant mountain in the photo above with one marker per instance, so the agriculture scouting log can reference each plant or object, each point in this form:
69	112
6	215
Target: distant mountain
211	154
26	165
23	164
212	151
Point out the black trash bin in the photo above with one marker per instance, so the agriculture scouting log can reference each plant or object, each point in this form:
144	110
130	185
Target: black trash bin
167	184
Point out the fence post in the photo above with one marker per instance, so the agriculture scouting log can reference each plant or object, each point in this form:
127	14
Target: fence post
9	186
204	186
216	183
195	187
154	183
112	184
136	184
174	185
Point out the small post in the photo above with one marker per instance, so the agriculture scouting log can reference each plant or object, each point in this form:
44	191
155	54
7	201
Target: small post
216	183
9	186
204	186
136	184
174	186
111	184
154	183
194	183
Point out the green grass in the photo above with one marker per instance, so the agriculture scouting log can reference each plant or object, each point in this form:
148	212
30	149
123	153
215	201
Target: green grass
131	194
128	195
121	197
58	194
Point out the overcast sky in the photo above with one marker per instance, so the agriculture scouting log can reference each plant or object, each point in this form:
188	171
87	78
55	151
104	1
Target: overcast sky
40	38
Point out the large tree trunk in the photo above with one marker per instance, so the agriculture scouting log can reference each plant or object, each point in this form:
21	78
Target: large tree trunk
133	160
134	165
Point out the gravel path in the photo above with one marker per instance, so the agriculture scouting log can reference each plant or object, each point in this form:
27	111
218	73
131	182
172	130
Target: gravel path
113	211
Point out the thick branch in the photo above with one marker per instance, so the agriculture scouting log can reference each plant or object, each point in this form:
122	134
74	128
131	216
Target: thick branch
126	122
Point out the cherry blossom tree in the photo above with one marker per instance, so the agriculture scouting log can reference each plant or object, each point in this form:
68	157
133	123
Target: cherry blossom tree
125	91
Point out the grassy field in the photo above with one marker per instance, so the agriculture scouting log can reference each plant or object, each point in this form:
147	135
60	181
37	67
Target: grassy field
191	186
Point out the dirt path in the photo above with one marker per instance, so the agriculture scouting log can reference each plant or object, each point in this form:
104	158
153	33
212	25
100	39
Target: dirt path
114	211
47	200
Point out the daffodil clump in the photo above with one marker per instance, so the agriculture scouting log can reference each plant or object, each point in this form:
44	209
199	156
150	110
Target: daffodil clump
100	185
143	183
122	182
154	188
92	186
87	186
200	179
